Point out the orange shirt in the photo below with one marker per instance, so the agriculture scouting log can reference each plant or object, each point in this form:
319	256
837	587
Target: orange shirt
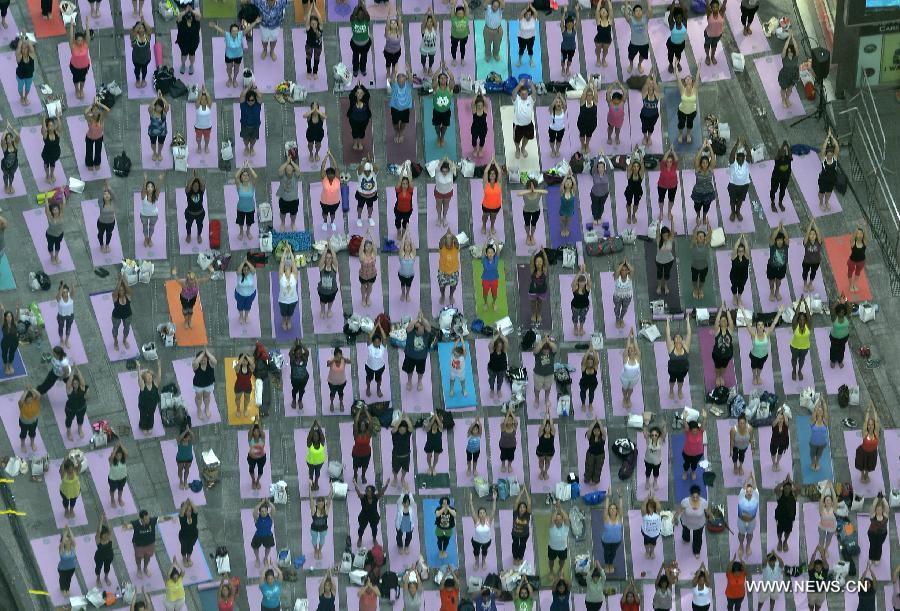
448	263
449	599
29	409
737	585
492	196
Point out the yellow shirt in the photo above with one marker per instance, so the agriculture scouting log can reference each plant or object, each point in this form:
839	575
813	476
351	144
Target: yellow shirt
174	590
688	103
314	455
70	487
449	261
29	409
800	339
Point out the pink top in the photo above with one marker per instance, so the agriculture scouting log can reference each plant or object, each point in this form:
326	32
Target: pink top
331	191
668	177
337	373
95	130
715	25
616	116
368	601
81	57
693	442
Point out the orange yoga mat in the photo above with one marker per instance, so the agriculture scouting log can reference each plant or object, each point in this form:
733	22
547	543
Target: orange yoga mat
46	29
838	249
300	8
196	335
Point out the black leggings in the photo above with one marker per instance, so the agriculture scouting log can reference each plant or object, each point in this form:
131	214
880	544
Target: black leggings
65	579
734	604
256	465
443	543
298	389
694	537
54	243
686	120
313	56
68	503
798	357
518	547
403	539
140	71
190	220
92	150
526	45
664	193
747	15
8	346
314	471
691	462
458	43
104	233
779	183
371	522
809	271
587	392
674	51
360	56
75	414
102	564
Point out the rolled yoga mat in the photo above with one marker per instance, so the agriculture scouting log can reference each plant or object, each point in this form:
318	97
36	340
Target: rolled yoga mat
487	313
459	400
673	299
808	476
523	273
484	66
619	565
706	338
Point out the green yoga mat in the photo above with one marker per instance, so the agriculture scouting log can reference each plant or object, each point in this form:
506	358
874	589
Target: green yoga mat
488	315
541	539
219	9
432	150
484	67
711	296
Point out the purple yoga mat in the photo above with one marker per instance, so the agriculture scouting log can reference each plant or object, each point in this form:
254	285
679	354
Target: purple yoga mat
436	305
891	439
266	72
729	477
53	479
247	525
434	231
616	358
196	158
327	559
344	35
767	377
158	250
147	161
706	339
155	580
662	376
607	282
760	258
403	309
98	466
687	562
197	78
91	212
712	72
688	180
185	376
9	415
85	546
332	324
791	387
834	377
398	152
581	443
414	36
643	215
376	299
36	220
761	174
662	491
251	328
306	164
458	440
237	243
535	409
102	305
678	210
723	269
792	556
57	397
736	226
9	33
464	107
608	73
468	527
805	171
625	146
458	70
755	545
574	361
198	572
361	355
720	582
620	47
128	383
482	352
324	356
308	405
75	351
518	222
346	442
32	144
90	87
390	204
258	159
659	31
518	464
811	531
105	20
523	275
554	470
300	221
420	7
756	42
795	274
554	221
296	330
771	477
194	246
553	37
319	82
315	196
220	76
570	142
46	552
8	66
870	489
169	449
642	567
265	481
565	298
506	559
312	583
146	93
768	68
443	461
635	102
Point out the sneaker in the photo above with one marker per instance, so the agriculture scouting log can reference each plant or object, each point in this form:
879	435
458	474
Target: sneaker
371	222
181	70
359	222
333	227
190	69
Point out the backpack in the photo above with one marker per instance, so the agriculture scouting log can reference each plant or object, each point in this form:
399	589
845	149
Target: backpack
623	447
389	583
163	78
121	165
528	339
354	245
447	419
502	489
178	89
718	395
384	321
576	163
627	467
737	406
716	521
843	395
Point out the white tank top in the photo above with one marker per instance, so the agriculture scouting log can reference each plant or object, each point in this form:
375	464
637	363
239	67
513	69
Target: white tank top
651	524
739	174
702	597
149	208
483	533
527	28
558	121
65	308
375	357
203	117
287	289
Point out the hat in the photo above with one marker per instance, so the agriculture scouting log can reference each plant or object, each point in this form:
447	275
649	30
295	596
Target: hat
367	167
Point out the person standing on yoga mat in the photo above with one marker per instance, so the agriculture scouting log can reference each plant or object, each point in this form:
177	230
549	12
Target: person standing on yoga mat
121	312
271	17
781	438
818	437
498	363
492	32
375	360
188	532
243	383
651	525
759	348
434	441
785	513
839	334
337	378
740	438
538	287
9	147
29	413
118	474
595	590
676	41
528	25
401	444
492	200
449	590
315	132
665	256
444	525
69	486
401	101
610	537
615	115
740	270
60	369
367	189
723	342
157	129
244	291
106	222
667	182
458	368
245	185
289	174
828	174
649	115
270	587
361	40
586	123
204	380
234	51
693	514
203	121
866	459
330	198
448	268
509	440
51	133
789	73
194	212
776	266
368	512
546	445
523	119
80	62
55	213
141	49
368	269
781	175
595	457
715	26
188	295
693	445
812	255
588	383
581	301
662	587
531	209
653	456
473	447
544	364
704	191
490	282
76	402
393	45
263	536
603	37
418	344
800	338
174	583
443	185
634	192
329	285
104	554
327	593
319	509
639	45
738	177
459	32
298	361
569	43
688	86
856	262
599	175
288	288
428	43
557	127
95	116
313	47
631	600
25	62
184	456
524	596
65	312
747	513
878	528
406	520
403	207
568	195
188	36
521	522
736	583
250	115
819	573
10	342
483	533
315	454
748	13
407	265
68	561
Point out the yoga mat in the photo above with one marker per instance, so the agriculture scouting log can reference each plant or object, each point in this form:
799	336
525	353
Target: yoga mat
482	356
553	36
518	222
748	45
811	531
309	396
641	566
807	475
319	82
231	402
251	328
532	162
46	28
312	583
791	387
53	479
673	299
518	466
834	378
771	477
194	246
198	572
248	528
808	167
469	530
324	355
46	554
506	558
536	411
436	305
102	305
659	31
458	438
432	149
128	384
75	351
761	175
418	7
418	401
838	251
197	78
327	559
258	159
619	565
8	66
434	231
792	556
376	298
760	259
390	203
607	282
184	376
610	71
767	377
398	309
169	449
706	337
349	156
459	401
712	72
90	210
18	369
36	221
340	10
523	273
635	103
218	9
768	68
581	444
146	93
554	471
643	218
565	298
622	38
870	489
487	313
662	491
476	195
687	562
541	520
196	335
662	361
398	152
334	324
730	479
9	415
429	506
369	80
883	568
57	397
196	158
85	546
7	34
300	220
795	274
892	436
361	355
441	468
484	66
237	243
736	226
682	487
462	66
723	271
220	89
267	73
555	223
625	146
98	466
671	99
265	481
616	360
711	297
315	193
681	223
166	162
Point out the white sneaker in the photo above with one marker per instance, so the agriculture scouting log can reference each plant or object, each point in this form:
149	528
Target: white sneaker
371	222
333	227
359	222
324	226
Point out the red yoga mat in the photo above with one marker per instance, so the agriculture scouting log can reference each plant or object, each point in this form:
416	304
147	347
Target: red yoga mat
46	28
838	249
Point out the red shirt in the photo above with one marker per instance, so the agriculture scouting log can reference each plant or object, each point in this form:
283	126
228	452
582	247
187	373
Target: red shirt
668	177
362	446
449	599
633	606
736	586
404	199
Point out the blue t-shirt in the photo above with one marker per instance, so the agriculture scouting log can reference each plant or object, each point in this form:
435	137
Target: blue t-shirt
264	526
818	435
250	115
678	34
234	45
401	97
271	594
491	269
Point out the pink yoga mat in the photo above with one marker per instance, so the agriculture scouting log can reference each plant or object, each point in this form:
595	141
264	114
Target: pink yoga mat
792	556
135	92
98	466
791	387
468	526
811	532
169	449
319	82
46	552
258	159
237	243
128	383
85	546
581	444
805	171
306	164
535	409
760	258
198	572
464	107
433	231
251	328
635	102
376	299
196	158
607	282
459	69
659	31
518	221
761	174
312	588
147	161
53	479
184	375
220	76
57	397
443	461
247	525
570	142
390	204
414	36
795	274
324	355
308	405
620	181
327	560
158	250
155	580
706	339
610	72
625	146
553	37
662	376
403	309
335	323
554	471
870	489
361	354
36	221
712	72
315	194
399	561
729	477
662	491
266	72
768	68
678	211
736	226
506	559
194	246
265	481
836	377
130	17
344	35
574	360
91	212
687	562
90	87
748	45
8	66
642	567
620	47
102	305
565	298
436	305
75	351
770	477
32	144
493	445
720	581
9	415
197	77
482	352
616	359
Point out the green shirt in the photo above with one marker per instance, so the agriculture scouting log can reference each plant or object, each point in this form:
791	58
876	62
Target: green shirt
523	605
360	31
442	99
459	27
840	330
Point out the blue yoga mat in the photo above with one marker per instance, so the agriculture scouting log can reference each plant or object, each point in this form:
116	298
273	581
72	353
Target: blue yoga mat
808	476
7	282
18	368
553	204
209	599
536	72
484	67
458	401
683	486
672	97
429	506
432	150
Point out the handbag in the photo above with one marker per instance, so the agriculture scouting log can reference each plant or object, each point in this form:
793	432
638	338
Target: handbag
180	158
563	491
121	165
339	490
264	212
563	406
226	151
867	312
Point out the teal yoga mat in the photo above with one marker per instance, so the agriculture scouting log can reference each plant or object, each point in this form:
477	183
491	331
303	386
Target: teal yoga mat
7	282
432	150
537	70
429	505
483	66
809	476
458	401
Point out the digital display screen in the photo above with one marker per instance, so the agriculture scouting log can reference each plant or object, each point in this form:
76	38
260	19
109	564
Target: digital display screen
882	4
860	12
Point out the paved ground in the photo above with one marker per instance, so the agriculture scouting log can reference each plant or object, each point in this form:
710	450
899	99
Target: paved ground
735	101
